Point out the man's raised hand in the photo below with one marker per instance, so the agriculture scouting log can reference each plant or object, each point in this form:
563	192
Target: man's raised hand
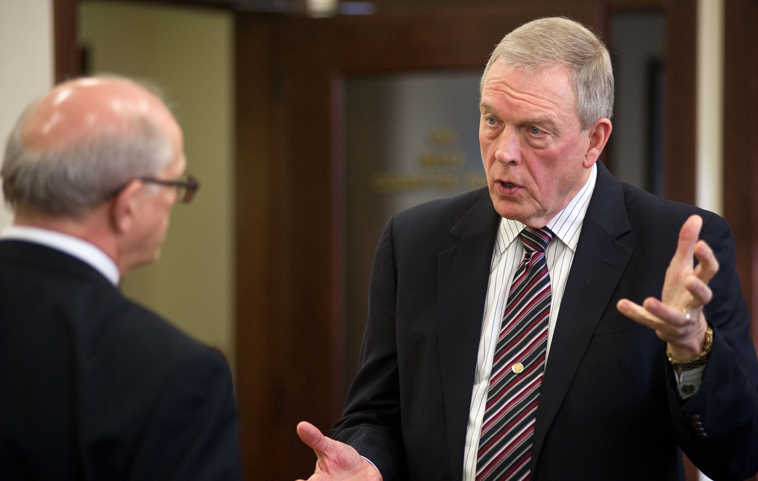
677	317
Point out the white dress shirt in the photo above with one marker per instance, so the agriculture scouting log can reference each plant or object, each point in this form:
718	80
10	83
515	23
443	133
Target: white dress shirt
507	255
70	245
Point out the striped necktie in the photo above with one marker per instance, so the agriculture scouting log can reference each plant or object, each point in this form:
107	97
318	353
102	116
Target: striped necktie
505	445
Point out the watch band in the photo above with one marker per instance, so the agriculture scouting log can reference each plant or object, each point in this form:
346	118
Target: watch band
701	358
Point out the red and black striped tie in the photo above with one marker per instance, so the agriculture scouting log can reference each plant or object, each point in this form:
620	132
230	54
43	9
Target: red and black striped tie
505	445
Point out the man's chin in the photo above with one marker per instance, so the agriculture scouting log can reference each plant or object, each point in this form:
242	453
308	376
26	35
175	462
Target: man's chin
144	261
514	211
508	209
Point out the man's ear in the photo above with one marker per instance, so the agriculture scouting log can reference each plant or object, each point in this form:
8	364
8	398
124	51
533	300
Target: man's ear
124	207
598	135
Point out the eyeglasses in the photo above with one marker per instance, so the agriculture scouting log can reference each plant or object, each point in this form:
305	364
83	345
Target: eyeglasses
185	187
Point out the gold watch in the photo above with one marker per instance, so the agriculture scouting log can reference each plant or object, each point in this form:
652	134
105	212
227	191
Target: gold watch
701	358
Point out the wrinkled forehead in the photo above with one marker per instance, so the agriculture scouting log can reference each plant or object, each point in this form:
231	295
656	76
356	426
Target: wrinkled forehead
85	107
557	76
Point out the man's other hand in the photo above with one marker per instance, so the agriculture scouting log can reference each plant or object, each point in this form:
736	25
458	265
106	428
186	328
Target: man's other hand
335	461
677	317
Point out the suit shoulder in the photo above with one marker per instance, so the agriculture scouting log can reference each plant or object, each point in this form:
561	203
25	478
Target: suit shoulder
642	205
131	331
656	217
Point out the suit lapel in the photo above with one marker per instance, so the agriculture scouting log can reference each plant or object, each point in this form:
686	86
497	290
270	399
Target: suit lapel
601	256
463	273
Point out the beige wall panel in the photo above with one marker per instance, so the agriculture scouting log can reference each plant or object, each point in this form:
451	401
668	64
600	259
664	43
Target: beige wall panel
187	54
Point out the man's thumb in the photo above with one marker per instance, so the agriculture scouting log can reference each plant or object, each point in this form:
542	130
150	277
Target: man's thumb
310	435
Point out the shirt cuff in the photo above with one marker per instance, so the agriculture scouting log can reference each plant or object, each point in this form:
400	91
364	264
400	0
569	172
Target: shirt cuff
688	381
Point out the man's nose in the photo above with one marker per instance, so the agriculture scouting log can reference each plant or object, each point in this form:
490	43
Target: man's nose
508	146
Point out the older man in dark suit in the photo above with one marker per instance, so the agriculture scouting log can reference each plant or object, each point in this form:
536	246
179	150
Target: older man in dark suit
501	342
92	385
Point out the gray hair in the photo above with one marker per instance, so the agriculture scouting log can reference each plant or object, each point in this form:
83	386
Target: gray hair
75	178
560	41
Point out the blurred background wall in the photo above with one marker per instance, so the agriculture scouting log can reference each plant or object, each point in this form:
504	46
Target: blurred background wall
186	53
26	62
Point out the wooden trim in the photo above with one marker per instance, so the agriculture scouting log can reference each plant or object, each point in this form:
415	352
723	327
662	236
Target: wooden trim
751	250
207	4
258	390
635	5
67	56
740	149
341	375
741	142
680	106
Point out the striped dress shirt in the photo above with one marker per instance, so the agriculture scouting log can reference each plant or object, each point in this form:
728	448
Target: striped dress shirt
507	255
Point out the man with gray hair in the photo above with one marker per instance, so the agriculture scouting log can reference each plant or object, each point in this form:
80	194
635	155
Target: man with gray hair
504	338
93	385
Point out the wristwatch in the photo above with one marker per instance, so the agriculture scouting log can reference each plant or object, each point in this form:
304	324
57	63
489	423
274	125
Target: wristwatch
701	358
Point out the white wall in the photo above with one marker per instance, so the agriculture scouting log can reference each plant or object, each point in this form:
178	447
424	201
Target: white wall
710	103
26	62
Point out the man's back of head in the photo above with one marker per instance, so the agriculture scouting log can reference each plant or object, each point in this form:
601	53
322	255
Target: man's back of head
78	159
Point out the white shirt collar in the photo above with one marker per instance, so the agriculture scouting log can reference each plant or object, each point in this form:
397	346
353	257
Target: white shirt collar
566	225
72	246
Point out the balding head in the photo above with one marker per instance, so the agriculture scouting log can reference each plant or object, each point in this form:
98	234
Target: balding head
75	147
85	108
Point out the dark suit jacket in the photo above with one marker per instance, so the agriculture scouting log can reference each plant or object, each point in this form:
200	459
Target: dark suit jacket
609	408
95	387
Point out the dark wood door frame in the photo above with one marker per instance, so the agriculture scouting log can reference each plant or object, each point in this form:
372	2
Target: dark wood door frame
680	103
66	51
740	152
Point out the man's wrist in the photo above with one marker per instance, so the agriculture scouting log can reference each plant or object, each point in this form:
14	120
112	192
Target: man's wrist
700	359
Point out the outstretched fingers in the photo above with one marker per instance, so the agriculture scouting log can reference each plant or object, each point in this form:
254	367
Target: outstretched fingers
639	314
708	265
688	237
677	317
700	292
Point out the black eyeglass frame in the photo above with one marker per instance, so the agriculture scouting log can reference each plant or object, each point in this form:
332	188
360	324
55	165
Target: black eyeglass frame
190	184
